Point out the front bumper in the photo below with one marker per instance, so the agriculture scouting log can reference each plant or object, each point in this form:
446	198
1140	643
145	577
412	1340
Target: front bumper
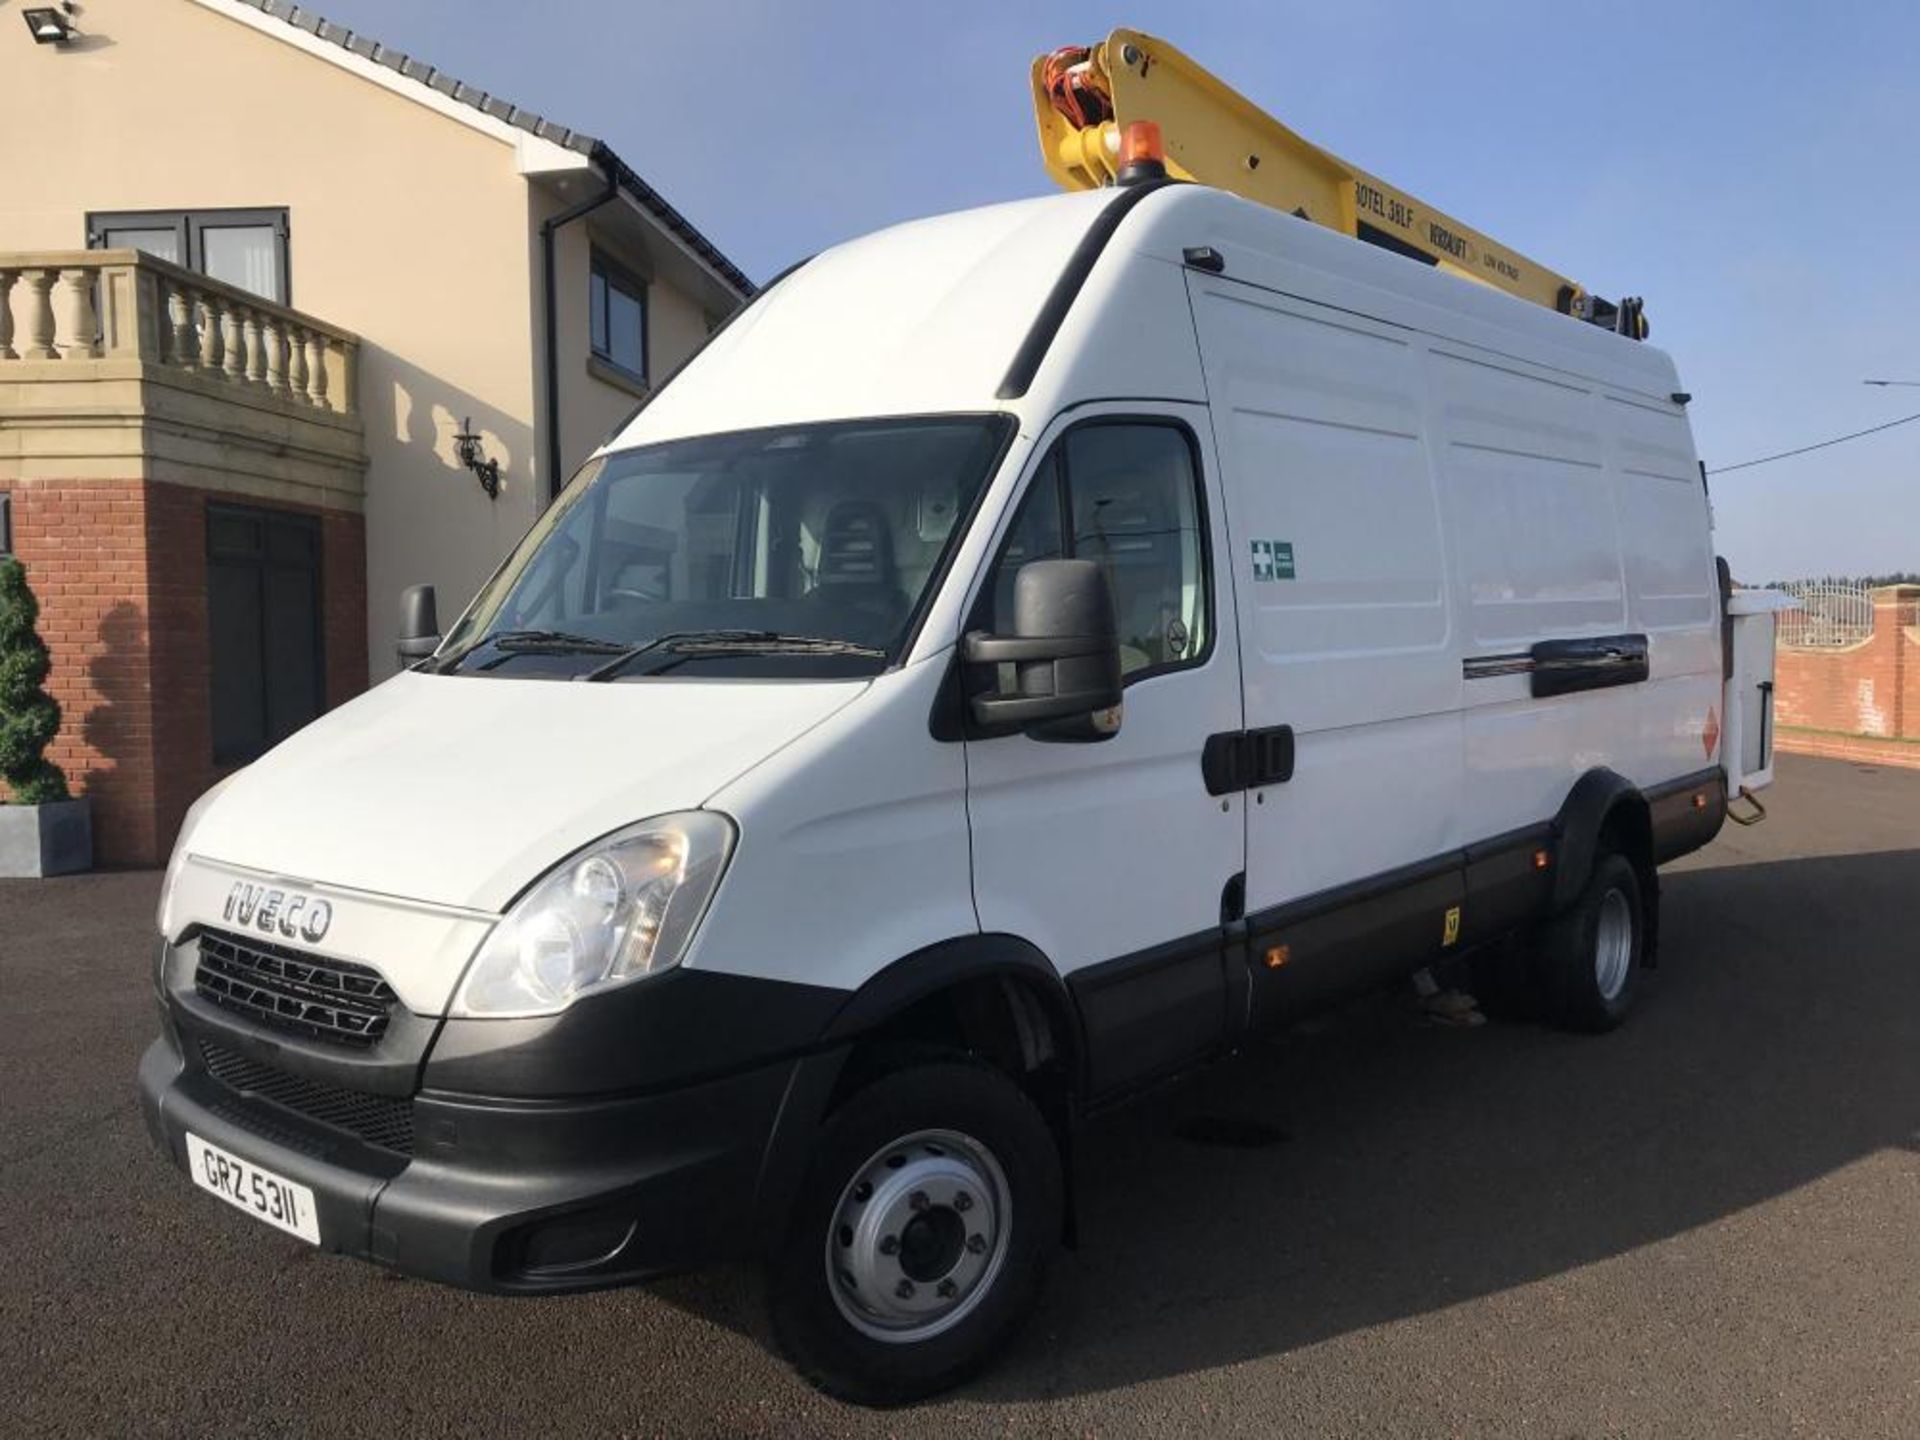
518	1196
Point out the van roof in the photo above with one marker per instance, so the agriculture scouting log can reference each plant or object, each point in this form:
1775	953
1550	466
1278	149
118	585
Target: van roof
928	316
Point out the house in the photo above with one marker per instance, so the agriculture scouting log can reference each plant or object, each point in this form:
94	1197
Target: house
274	344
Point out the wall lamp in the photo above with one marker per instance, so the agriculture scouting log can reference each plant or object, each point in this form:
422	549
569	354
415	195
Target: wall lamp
48	24
466	449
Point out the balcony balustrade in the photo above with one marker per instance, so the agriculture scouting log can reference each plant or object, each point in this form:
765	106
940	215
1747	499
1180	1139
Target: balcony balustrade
79	305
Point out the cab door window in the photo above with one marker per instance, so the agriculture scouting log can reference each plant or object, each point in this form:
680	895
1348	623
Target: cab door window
1125	494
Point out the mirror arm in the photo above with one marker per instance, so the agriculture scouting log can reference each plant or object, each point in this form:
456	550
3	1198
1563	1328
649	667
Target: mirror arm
984	649
1015	711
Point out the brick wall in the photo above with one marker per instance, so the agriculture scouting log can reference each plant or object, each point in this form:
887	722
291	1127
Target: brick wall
120	569
1870	690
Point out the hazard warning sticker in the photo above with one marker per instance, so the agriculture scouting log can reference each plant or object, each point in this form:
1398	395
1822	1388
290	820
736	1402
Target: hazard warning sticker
1710	737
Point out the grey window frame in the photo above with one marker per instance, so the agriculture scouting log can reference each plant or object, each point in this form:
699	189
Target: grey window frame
605	267
190	226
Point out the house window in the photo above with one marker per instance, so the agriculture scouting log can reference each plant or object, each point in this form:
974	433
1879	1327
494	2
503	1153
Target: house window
247	248
6	523
263	619
617	304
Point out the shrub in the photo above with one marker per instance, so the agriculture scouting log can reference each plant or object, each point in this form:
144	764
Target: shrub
29	717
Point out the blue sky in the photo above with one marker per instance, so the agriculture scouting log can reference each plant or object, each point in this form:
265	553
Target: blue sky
1750	168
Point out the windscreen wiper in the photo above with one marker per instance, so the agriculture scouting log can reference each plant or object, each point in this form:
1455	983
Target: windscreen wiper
537	642
560	640
734	642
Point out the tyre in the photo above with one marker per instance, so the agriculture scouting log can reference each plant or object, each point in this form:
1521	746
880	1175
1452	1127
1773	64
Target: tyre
1589	958
920	1236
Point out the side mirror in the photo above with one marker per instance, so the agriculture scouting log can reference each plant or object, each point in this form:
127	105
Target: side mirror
419	624
1065	653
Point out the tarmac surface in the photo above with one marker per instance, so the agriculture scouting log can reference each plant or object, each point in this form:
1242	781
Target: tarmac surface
1707	1223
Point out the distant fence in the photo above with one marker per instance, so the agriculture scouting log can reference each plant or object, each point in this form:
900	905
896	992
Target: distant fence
1830	616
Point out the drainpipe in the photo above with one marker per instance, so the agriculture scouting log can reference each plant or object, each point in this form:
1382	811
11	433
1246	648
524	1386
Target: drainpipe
547	229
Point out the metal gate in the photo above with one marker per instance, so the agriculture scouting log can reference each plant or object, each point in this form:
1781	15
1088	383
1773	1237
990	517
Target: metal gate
1830	616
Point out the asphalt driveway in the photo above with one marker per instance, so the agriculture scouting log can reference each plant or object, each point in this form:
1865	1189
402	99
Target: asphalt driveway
1706	1224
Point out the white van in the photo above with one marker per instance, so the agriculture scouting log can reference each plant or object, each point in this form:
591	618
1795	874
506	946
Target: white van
1024	652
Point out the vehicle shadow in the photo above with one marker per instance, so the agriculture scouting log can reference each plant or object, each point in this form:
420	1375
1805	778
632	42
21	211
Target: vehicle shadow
1367	1168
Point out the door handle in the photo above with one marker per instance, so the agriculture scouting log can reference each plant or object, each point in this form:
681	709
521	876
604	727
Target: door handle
1223	762
1235	760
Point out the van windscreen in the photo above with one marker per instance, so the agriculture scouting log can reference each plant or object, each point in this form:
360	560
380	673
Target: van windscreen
807	550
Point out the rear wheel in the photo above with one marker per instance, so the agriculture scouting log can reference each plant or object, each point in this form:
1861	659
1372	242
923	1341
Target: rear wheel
1589	958
920	1236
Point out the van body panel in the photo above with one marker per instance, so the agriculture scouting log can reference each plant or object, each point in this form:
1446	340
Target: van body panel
853	847
1111	855
1342	582
1429	486
1290	256
461	790
918	318
1129	336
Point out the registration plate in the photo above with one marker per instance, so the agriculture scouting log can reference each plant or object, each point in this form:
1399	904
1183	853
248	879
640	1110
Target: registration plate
261	1193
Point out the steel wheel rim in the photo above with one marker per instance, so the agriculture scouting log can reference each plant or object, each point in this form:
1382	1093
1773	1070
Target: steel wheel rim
918	1237
1613	945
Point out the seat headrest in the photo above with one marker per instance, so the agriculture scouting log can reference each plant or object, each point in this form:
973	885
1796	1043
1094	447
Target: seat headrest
856	545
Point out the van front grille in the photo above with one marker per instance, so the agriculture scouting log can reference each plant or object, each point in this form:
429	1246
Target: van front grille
285	989
382	1120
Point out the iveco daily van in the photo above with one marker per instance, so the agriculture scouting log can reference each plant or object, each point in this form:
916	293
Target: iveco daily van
1024	652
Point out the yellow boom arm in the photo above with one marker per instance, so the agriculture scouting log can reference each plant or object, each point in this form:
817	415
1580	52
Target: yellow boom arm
1084	99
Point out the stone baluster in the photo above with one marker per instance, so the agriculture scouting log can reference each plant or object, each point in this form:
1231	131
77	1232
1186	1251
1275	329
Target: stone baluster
79	329
75	325
39	327
275	333
185	350
317	369
7	277
296	363
256	350
212	344
233	342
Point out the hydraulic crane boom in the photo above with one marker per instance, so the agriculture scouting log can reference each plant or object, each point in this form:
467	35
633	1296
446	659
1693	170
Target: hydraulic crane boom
1084	98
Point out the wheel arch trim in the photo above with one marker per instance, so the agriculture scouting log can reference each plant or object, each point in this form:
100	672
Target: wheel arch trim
886	995
1595	799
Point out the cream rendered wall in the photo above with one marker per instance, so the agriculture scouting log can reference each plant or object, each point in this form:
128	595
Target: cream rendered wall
407	227
591	405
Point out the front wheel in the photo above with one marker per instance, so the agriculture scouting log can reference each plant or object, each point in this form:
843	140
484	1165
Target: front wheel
920	1236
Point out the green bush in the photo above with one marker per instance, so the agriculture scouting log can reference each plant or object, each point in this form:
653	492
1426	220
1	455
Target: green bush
29	717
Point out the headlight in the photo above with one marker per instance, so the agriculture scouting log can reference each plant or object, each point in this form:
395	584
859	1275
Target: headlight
620	910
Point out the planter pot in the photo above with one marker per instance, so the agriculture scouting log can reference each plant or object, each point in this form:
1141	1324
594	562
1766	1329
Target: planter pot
37	840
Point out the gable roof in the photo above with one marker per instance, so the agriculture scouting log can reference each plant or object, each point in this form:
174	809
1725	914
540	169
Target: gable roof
497	107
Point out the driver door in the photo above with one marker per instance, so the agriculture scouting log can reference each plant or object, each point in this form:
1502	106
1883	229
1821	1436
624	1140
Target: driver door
1110	856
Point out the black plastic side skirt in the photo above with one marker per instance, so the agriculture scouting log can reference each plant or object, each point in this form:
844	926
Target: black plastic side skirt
1314	950
1153	1013
1687	813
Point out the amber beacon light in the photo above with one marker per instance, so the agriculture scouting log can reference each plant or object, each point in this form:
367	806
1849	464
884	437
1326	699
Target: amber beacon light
1143	154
